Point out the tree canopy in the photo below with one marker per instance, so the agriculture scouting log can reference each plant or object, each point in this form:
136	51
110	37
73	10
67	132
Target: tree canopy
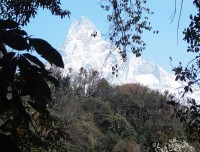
21	11
128	20
25	92
190	76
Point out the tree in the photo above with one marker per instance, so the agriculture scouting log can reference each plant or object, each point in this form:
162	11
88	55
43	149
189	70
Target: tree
190	75
128	20
126	146
24	92
22	11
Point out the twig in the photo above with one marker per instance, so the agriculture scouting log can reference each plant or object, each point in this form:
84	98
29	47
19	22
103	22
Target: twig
179	18
173	14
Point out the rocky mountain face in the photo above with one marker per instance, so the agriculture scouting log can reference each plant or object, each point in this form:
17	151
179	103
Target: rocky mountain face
85	47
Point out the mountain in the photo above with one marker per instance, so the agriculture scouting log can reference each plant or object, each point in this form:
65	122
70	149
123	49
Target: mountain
81	49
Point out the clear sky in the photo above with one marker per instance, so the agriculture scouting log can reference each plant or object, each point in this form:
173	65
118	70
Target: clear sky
159	47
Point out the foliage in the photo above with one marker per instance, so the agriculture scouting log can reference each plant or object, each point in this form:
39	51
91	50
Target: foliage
147	112
117	118
85	82
25	93
190	76
128	20
126	146
21	11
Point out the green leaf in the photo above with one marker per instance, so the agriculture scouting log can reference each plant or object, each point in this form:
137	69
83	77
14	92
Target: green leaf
47	51
34	60
13	40
8	24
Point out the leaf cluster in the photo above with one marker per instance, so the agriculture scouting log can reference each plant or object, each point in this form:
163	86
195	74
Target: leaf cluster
127	21
189	75
21	11
24	89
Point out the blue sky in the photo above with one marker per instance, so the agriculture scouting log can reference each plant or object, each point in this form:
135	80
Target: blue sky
159	47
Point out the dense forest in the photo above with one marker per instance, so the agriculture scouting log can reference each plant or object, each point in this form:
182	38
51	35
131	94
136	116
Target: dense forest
127	118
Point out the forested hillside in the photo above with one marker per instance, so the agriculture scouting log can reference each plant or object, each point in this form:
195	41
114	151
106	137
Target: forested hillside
100	117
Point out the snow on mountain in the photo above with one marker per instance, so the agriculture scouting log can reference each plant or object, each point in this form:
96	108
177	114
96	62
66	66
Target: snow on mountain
81	49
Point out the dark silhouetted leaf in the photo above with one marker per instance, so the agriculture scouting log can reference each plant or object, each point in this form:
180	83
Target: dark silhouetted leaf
35	84
26	64
8	144
39	107
43	89
34	59
7	73
182	119
6	58
172	102
14	41
29	83
39	70
191	90
3	49
8	24
193	108
186	88
23	62
19	32
16	122
177	70
177	77
47	51
52	79
191	17
182	78
138	54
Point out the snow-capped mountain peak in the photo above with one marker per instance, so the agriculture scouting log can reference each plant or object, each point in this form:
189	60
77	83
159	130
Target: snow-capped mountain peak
80	33
84	47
